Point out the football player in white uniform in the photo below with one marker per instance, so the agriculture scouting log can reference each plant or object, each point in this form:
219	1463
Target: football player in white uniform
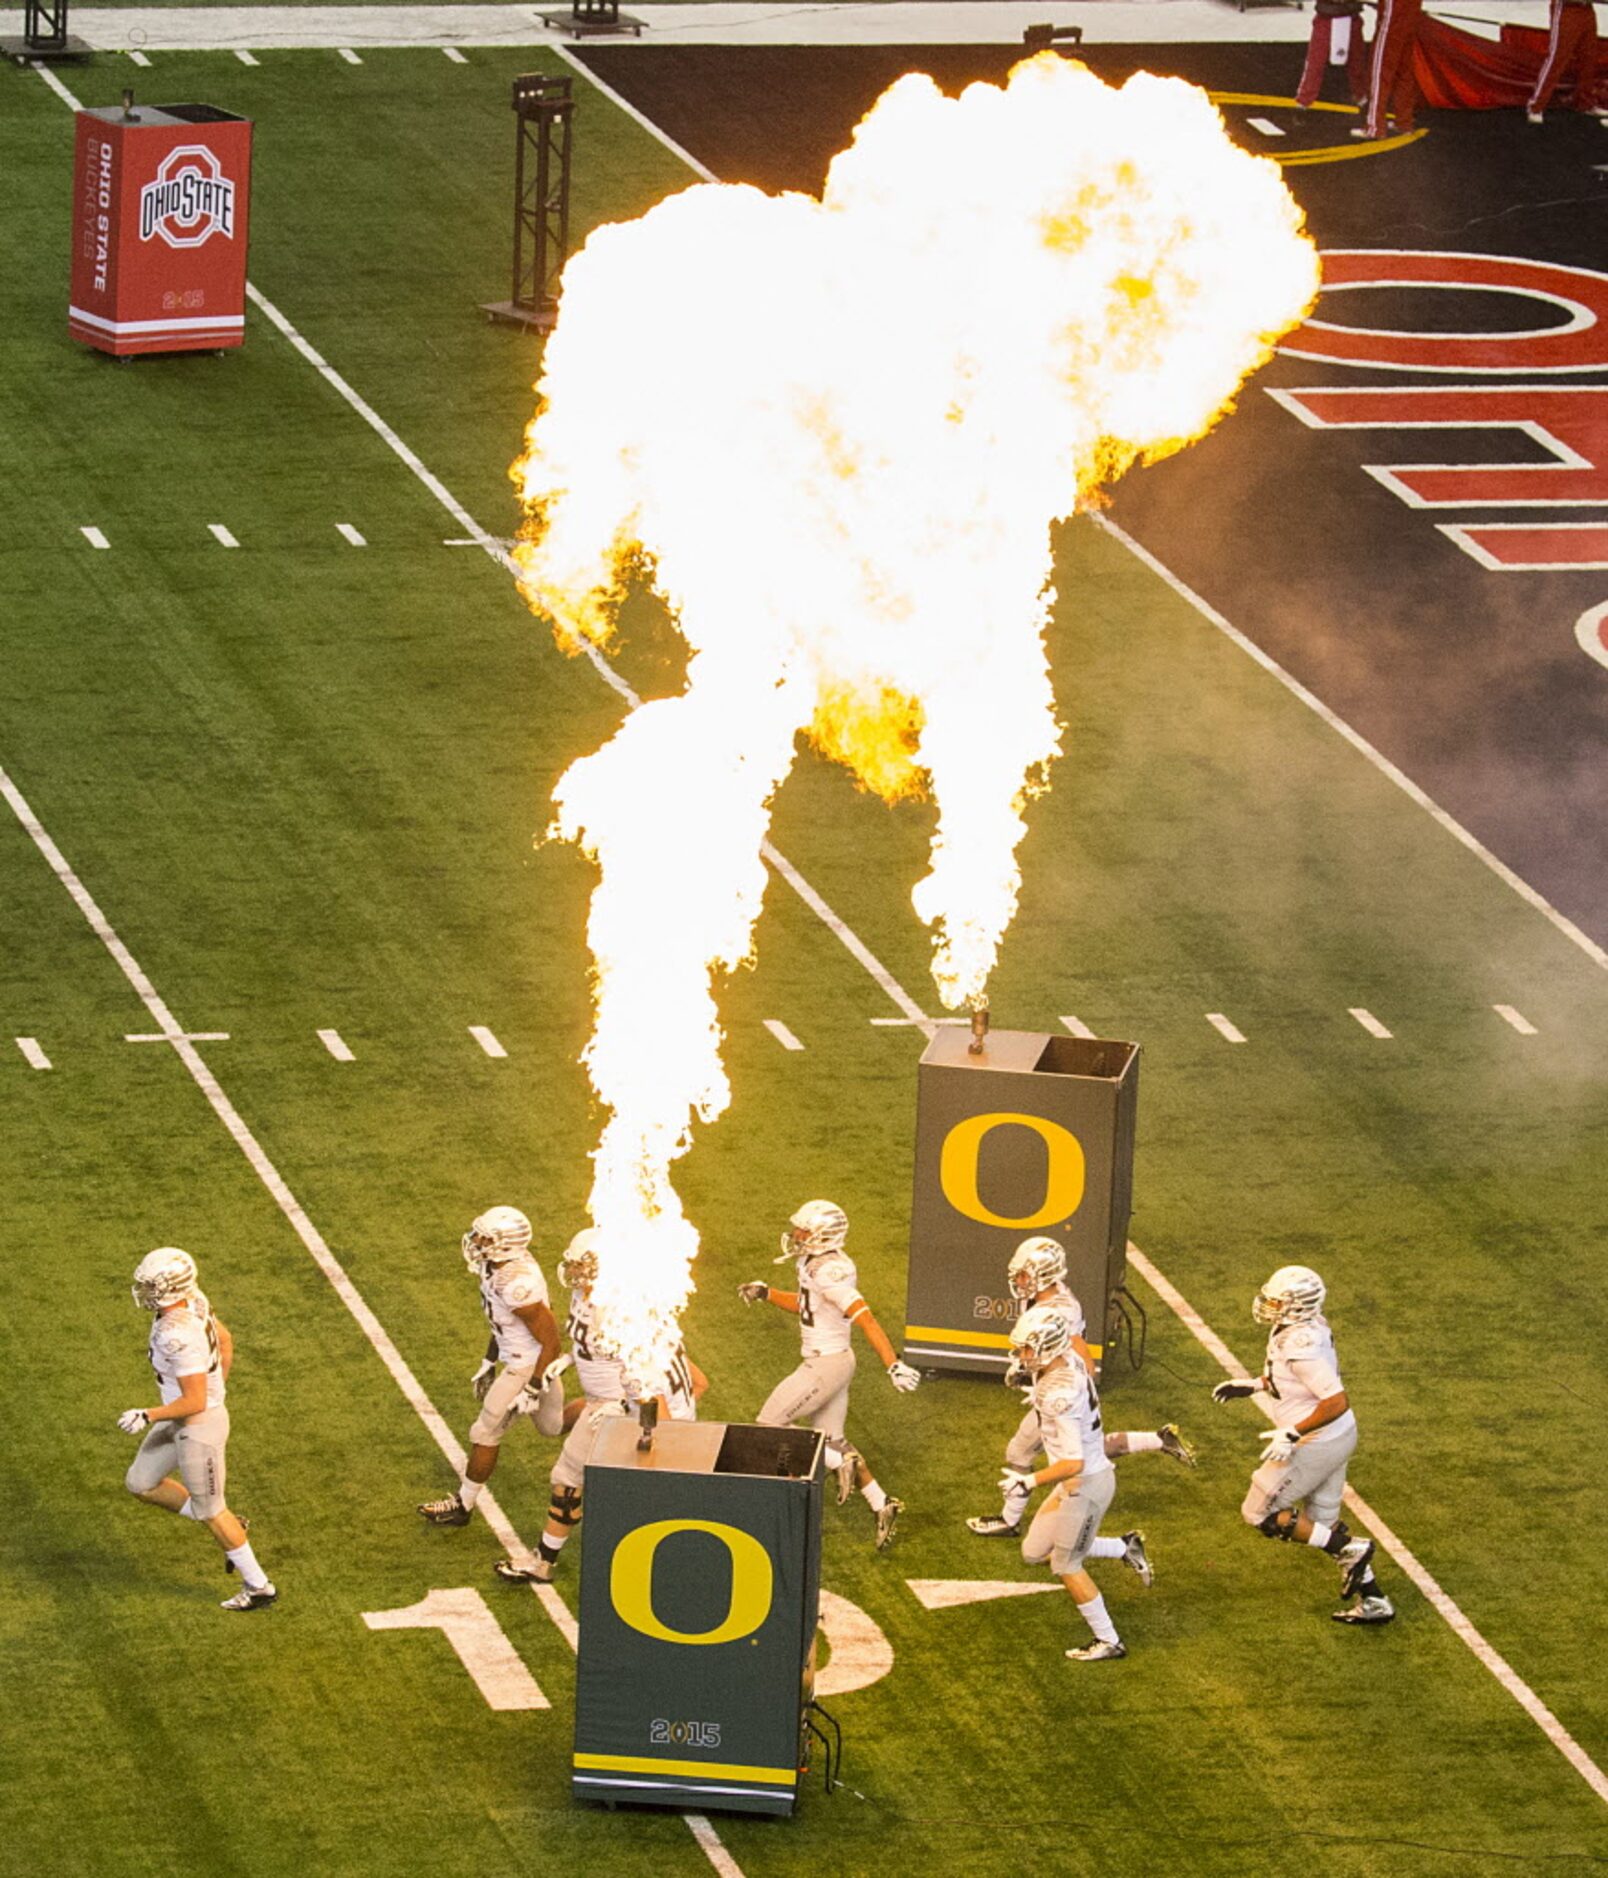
181	1462
606	1390
1065	1530
828	1304
1296	1492
524	1338
1036	1275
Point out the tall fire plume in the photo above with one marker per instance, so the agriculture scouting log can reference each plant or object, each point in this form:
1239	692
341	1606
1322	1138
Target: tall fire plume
833	436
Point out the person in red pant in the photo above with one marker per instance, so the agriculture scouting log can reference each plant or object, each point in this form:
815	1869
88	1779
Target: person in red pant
1392	88
1571	50
1336	31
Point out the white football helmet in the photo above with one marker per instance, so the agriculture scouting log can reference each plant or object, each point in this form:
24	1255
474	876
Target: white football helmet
1293	1295
577	1269
163	1277
818	1227
1035	1265
501	1232
1040	1336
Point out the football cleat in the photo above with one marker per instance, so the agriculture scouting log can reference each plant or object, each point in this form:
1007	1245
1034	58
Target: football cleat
448	1512
228	1563
992	1526
1377	1610
1355	1559
848	1477
1097	1652
1173	1443
1135	1560
245	1599
538	1572
887	1518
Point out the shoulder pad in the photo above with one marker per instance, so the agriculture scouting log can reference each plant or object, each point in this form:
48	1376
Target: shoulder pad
837	1268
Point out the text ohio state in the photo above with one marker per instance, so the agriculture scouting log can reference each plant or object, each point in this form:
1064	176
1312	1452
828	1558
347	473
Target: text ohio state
188	198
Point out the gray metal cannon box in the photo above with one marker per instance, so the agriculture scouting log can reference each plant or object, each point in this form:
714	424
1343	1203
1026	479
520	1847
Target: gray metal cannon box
1034	1135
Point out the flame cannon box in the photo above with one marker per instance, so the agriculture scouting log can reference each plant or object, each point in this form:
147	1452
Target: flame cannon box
1034	1135
160	196
700	1594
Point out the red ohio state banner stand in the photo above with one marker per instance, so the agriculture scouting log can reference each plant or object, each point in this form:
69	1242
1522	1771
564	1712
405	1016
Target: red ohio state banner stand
160	199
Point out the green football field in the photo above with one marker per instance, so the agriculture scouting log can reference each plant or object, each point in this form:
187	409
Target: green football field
297	782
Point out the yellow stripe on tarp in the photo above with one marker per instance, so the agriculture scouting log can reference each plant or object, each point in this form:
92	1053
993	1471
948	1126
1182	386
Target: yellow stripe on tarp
703	1770
974	1339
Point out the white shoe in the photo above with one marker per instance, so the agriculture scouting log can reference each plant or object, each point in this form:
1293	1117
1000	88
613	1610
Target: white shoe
536	1572
1097	1652
848	1471
1365	1611
245	1599
1135	1560
1354	1560
992	1526
887	1518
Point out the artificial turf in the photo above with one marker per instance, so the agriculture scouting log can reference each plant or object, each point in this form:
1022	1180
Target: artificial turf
302	781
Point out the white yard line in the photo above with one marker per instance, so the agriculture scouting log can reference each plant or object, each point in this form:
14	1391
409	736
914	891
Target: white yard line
486	1040
702	1830
32	1054
221	535
348	533
245	57
1517	1019
336	1046
1266	126
138	58
1368	1021
170	1031
1445	1606
1077	1027
349	55
782	1034
94	537
1225	1027
630	110
1596	953
455	55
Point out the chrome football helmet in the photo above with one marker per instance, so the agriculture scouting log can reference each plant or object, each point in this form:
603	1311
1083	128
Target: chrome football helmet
818	1227
501	1232
1035	1265
1293	1295
1040	1336
577	1269
163	1277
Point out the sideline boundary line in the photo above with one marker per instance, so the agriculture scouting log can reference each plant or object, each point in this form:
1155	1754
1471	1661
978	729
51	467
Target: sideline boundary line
708	1840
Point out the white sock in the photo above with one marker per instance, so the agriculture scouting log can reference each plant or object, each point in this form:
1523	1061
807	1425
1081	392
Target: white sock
1320	1534
187	1511
1094	1614
1108	1548
875	1497
1014	1506
1143	1443
469	1491
834	1460
244	1560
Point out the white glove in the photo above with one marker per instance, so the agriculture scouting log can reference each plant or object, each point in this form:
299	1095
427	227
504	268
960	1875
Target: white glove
134	1421
1281	1443
1236	1388
903	1377
756	1291
555	1369
1015	1373
1016	1480
480	1381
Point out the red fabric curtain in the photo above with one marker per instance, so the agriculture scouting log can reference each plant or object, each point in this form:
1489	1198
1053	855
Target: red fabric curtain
1458	71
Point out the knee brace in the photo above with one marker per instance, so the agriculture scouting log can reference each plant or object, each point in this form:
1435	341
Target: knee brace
565	1509
1278	1525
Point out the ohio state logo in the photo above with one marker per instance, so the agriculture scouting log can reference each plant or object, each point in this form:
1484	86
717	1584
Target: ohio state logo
189	201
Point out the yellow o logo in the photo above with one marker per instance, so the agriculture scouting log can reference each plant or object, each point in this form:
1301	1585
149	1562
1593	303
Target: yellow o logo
631	1581
962	1155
